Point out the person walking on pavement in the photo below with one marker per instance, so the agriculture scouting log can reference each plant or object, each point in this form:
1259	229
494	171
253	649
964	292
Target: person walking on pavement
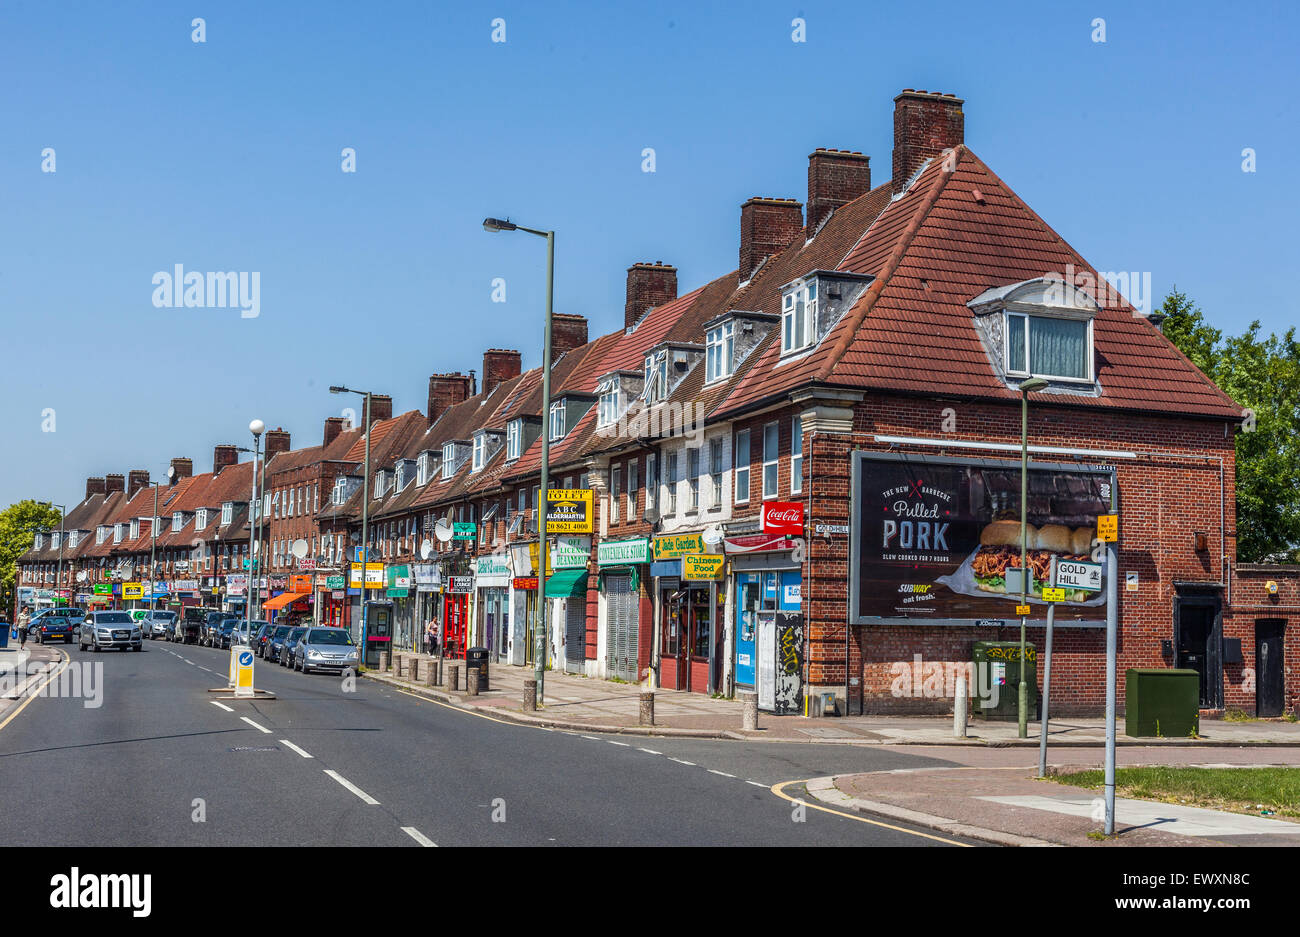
22	628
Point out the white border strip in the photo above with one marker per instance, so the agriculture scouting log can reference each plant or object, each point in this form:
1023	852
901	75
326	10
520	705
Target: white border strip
1004	447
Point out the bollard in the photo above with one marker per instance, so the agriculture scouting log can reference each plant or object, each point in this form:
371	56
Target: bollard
414	674
431	673
471	681
959	710
749	718
647	717
385	661
397	664
530	695
453	676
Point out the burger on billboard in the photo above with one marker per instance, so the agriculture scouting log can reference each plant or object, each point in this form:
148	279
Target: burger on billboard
934	538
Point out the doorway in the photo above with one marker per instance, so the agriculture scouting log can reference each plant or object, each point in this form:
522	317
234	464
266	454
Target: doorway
1200	641
1270	692
455	611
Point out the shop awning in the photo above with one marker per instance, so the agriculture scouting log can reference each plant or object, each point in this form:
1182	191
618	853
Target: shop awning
565	583
283	599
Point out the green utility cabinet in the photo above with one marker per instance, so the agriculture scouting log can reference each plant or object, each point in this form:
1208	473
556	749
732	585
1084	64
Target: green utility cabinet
997	667
1162	703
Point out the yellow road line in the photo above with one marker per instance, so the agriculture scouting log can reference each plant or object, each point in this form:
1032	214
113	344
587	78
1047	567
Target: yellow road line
779	791
31	694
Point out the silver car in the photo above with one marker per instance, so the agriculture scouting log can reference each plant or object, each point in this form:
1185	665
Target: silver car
159	624
109	629
324	649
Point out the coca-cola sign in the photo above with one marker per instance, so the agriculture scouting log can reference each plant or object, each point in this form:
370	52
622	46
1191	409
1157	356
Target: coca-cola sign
783	517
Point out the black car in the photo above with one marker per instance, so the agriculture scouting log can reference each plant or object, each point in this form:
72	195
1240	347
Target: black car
262	637
289	648
54	628
222	636
212	628
275	644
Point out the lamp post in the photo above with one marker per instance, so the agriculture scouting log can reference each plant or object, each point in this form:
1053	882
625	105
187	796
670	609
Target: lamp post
58	575
494	225
365	509
256	427
1026	387
153	540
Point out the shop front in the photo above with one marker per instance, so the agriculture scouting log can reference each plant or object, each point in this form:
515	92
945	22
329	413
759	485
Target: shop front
524	622
455	616
566	593
333	600
768	652
399	587
492	582
622	565
691	602
428	584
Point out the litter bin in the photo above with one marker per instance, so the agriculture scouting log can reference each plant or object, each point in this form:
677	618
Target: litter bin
478	657
1162	703
997	680
4	634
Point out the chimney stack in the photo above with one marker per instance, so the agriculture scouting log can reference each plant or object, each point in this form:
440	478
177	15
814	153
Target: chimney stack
445	391
183	468
381	407
835	178
277	440
767	226
499	364
222	456
135	480
333	426
114	483
925	124
95	486
568	331
648	286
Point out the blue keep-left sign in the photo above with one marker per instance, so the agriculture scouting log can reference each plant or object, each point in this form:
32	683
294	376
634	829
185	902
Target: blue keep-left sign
245	658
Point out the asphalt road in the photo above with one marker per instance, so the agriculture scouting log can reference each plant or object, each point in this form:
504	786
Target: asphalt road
159	762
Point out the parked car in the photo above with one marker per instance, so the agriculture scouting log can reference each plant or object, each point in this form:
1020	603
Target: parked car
109	629
290	645
52	628
262	631
224	636
159	624
212	627
325	649
193	620
275	644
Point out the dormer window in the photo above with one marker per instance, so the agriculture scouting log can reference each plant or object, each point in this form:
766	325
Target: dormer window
404	473
799	316
514	439
1044	346
422	469
557	420
340	490
39	542
101	534
1038	328
135	528
610	406
719	351
448	459
383	480
656	376
54	539
227	512
200	518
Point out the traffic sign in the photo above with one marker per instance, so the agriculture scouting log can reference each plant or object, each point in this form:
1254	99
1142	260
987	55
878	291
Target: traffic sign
1075	575
1108	528
1053	595
241	665
1023	610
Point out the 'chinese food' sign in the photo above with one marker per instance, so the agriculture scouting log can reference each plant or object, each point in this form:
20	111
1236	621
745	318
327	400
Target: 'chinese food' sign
935	540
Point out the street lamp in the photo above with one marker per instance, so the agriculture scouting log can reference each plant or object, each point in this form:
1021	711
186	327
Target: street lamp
1032	385
365	509
153	540
494	225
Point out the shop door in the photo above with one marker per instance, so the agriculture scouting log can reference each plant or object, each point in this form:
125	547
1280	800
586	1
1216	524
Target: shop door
575	634
698	636
1269	693
748	588
1198	647
765	648
501	633
621	628
672	655
455	611
789	662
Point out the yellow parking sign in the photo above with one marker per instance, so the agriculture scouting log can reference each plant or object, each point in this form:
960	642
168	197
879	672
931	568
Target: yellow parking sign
1108	528
1023	610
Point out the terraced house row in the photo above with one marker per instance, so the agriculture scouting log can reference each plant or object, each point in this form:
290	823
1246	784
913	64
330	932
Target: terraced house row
801	471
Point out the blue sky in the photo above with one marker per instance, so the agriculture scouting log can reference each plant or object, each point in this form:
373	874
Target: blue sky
226	155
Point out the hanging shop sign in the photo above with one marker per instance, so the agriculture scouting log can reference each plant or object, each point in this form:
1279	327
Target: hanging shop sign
465	531
459	585
102	588
399	576
374	576
570	552
333	582
307	562
623	552
672	547
702	566
525	582
936	539
428	576
300	583
568	510
783	517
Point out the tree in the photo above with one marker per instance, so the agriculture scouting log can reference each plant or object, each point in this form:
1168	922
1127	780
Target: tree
1263	375
19	524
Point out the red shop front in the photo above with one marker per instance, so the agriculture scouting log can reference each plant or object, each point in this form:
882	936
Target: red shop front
455	616
690	635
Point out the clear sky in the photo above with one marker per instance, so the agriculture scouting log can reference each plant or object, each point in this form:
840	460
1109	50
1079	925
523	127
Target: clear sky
226	155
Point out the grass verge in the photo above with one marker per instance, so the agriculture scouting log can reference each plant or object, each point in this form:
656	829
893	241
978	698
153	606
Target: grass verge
1240	790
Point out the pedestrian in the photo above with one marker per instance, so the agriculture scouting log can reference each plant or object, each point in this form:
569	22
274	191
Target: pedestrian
22	629
431	637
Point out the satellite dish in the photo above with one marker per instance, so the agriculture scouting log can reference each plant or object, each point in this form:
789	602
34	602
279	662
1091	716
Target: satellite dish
299	548
426	548
355	536
451	516
127	570
651	516
712	536
442	530
81	576
171	471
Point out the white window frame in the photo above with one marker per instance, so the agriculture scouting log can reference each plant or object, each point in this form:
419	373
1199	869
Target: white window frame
720	346
201	519
555	424
656	377
631	489
796	455
615	480
227	512
480	451
772	460
1027	315
715	471
806	293
448	459
741	471
514	438
422	468
693	479
670	483
610	403
651	479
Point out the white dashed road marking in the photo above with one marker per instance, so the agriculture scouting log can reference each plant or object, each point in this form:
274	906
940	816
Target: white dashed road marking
255	725
352	787
681	762
723	773
756	784
221	705
612	742
418	836
286	742
649	751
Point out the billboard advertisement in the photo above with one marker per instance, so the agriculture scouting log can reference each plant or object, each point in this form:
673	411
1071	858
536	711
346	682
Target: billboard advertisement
934	539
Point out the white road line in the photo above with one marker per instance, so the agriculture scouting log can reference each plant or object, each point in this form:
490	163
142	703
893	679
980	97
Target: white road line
612	742
418	836
221	705
352	787
681	762
190	662
255	725
205	668
723	773
591	737
295	748
757	784
649	751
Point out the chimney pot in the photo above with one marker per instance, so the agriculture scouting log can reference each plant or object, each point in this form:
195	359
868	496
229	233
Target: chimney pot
648	286
223	456
767	227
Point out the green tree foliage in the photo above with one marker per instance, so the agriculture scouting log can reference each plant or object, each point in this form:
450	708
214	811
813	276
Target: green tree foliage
19	524
1263	375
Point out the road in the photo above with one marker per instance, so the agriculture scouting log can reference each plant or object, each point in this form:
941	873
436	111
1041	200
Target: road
160	762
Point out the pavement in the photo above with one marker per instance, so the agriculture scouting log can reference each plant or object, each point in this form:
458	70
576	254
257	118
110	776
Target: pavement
588	704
